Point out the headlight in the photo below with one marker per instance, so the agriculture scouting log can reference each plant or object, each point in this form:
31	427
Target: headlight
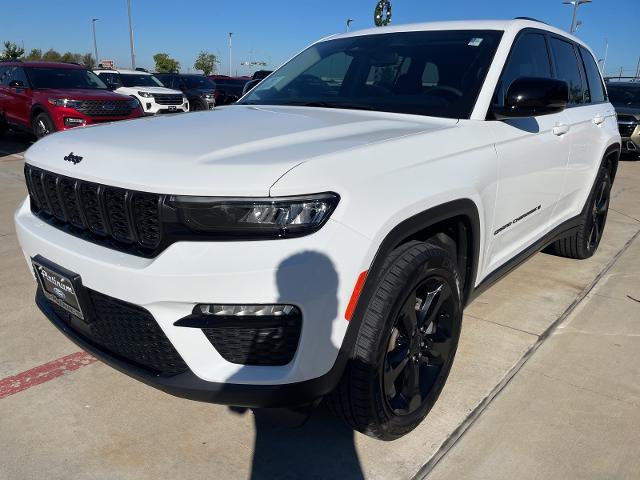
257	217
145	94
65	102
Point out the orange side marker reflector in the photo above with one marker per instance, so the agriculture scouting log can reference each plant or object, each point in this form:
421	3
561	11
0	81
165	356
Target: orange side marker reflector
357	290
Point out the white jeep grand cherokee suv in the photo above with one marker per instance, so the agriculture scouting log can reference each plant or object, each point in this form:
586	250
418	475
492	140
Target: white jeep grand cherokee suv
153	96
326	240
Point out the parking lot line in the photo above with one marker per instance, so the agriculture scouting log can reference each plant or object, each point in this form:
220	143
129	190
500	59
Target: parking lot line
43	373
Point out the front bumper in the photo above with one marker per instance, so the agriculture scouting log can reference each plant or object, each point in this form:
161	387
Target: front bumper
150	107
316	273
58	115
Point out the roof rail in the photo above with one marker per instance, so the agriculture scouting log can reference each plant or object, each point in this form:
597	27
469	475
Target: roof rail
530	19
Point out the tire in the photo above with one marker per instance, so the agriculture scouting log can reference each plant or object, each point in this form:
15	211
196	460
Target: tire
42	125
3	128
417	291
583	242
197	106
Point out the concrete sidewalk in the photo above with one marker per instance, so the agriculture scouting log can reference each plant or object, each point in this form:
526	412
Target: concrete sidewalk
95	423
573	410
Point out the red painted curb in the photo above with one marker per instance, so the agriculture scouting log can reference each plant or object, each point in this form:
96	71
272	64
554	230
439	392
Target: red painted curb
44	373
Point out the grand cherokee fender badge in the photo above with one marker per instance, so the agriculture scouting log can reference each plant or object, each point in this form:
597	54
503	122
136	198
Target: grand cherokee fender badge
75	159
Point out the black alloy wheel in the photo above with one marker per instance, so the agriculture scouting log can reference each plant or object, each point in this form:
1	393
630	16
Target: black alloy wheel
419	347
408	331
43	126
599	212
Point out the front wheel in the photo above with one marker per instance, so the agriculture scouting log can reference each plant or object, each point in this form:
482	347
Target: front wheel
43	125
405	345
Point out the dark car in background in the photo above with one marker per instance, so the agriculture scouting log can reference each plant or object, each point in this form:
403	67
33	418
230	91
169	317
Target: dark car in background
199	90
228	89
624	94
43	97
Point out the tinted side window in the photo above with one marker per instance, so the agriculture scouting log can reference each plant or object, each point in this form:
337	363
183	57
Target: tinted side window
20	76
567	69
595	92
529	58
110	78
4	75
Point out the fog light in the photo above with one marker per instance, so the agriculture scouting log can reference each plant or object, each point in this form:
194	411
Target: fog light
148	106
74	122
246	310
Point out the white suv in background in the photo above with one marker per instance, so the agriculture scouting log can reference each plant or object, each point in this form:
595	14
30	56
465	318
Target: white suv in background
326	239
147	89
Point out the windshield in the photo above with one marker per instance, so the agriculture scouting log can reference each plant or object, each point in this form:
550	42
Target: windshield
197	81
624	95
133	80
435	73
51	77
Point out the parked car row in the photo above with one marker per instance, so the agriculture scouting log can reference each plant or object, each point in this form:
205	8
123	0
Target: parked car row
624	94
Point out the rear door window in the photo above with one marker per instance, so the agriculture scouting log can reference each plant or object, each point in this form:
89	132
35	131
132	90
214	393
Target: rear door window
568	69
595	92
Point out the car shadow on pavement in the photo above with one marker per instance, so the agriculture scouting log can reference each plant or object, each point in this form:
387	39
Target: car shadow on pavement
14	142
306	442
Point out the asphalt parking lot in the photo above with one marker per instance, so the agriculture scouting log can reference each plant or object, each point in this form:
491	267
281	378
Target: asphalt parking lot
555	336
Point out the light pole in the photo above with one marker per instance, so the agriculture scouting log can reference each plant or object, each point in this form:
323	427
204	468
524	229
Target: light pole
133	55
230	35
349	22
95	43
576	4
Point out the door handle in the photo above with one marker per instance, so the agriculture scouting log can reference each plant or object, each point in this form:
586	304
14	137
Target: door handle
598	119
560	129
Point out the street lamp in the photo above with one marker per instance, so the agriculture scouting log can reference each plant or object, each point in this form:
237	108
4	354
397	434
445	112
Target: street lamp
230	35
95	43
349	22
576	4
133	55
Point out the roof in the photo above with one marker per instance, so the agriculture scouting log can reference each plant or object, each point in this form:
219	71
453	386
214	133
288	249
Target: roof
501	25
42	64
122	70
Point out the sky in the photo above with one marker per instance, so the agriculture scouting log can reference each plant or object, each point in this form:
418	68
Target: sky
273	31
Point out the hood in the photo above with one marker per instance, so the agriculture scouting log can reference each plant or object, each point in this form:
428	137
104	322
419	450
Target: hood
82	94
236	150
164	90
633	111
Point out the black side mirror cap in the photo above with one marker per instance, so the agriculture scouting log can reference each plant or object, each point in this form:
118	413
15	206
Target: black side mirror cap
532	96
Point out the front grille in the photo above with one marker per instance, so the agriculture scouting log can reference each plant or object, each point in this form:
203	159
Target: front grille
127	332
168	98
257	345
626	129
104	108
121	219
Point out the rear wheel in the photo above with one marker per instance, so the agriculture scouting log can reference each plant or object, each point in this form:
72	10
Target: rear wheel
405	346
43	125
585	239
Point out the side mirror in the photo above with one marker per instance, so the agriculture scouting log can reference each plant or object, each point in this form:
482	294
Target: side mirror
16	84
250	85
532	96
112	86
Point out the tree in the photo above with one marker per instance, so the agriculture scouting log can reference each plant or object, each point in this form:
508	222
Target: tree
12	51
51	56
166	64
207	62
34	54
88	61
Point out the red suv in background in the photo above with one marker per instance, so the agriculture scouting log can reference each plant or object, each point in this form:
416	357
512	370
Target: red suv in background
43	97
